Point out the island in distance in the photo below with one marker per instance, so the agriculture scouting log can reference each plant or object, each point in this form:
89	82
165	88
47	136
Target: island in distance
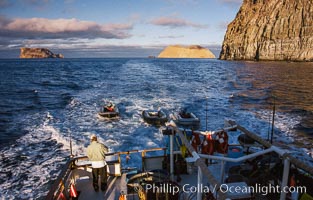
38	53
179	51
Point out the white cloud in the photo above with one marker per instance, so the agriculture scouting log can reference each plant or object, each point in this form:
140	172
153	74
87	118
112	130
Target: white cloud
31	28
174	22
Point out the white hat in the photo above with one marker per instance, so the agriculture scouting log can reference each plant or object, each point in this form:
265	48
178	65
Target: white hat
93	136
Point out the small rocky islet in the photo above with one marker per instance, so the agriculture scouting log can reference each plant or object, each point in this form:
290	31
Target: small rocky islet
38	53
179	51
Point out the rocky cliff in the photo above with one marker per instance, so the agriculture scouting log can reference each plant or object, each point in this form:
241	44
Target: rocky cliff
38	53
271	30
178	51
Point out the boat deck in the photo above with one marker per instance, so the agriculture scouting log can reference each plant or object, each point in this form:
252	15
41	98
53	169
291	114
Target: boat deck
207	175
86	191
117	184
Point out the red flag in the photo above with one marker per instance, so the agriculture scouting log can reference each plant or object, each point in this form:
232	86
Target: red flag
73	192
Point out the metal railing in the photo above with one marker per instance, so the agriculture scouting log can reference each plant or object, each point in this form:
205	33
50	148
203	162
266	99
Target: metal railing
203	169
60	184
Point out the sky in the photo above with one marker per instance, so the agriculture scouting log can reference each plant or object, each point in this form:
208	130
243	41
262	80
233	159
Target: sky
113	28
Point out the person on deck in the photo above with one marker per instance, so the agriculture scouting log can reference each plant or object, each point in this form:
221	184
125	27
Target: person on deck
96	153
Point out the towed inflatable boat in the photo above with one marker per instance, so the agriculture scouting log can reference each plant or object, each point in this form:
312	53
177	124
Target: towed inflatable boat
154	117
109	111
186	119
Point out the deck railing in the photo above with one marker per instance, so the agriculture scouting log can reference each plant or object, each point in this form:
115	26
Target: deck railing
203	169
60	185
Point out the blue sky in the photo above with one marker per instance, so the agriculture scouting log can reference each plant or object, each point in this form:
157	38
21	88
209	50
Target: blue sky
112	28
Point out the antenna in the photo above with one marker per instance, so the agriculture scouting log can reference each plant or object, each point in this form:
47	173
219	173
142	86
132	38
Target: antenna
273	120
71	149
206	114
269	127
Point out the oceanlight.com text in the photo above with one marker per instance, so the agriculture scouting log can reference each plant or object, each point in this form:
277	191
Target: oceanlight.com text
261	189
224	188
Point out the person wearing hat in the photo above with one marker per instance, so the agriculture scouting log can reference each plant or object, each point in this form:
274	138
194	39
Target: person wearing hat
96	153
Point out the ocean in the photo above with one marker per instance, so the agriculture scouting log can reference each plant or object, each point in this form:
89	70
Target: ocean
45	102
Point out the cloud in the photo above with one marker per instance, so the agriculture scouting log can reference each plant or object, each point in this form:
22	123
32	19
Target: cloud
42	28
174	22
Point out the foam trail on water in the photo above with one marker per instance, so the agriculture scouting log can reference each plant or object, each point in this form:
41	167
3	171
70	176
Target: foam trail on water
35	157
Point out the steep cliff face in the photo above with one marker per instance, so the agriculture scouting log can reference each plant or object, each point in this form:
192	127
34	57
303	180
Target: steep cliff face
178	51
38	53
271	30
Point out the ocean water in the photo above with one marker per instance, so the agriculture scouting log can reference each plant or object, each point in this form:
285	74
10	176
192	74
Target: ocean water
45	102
